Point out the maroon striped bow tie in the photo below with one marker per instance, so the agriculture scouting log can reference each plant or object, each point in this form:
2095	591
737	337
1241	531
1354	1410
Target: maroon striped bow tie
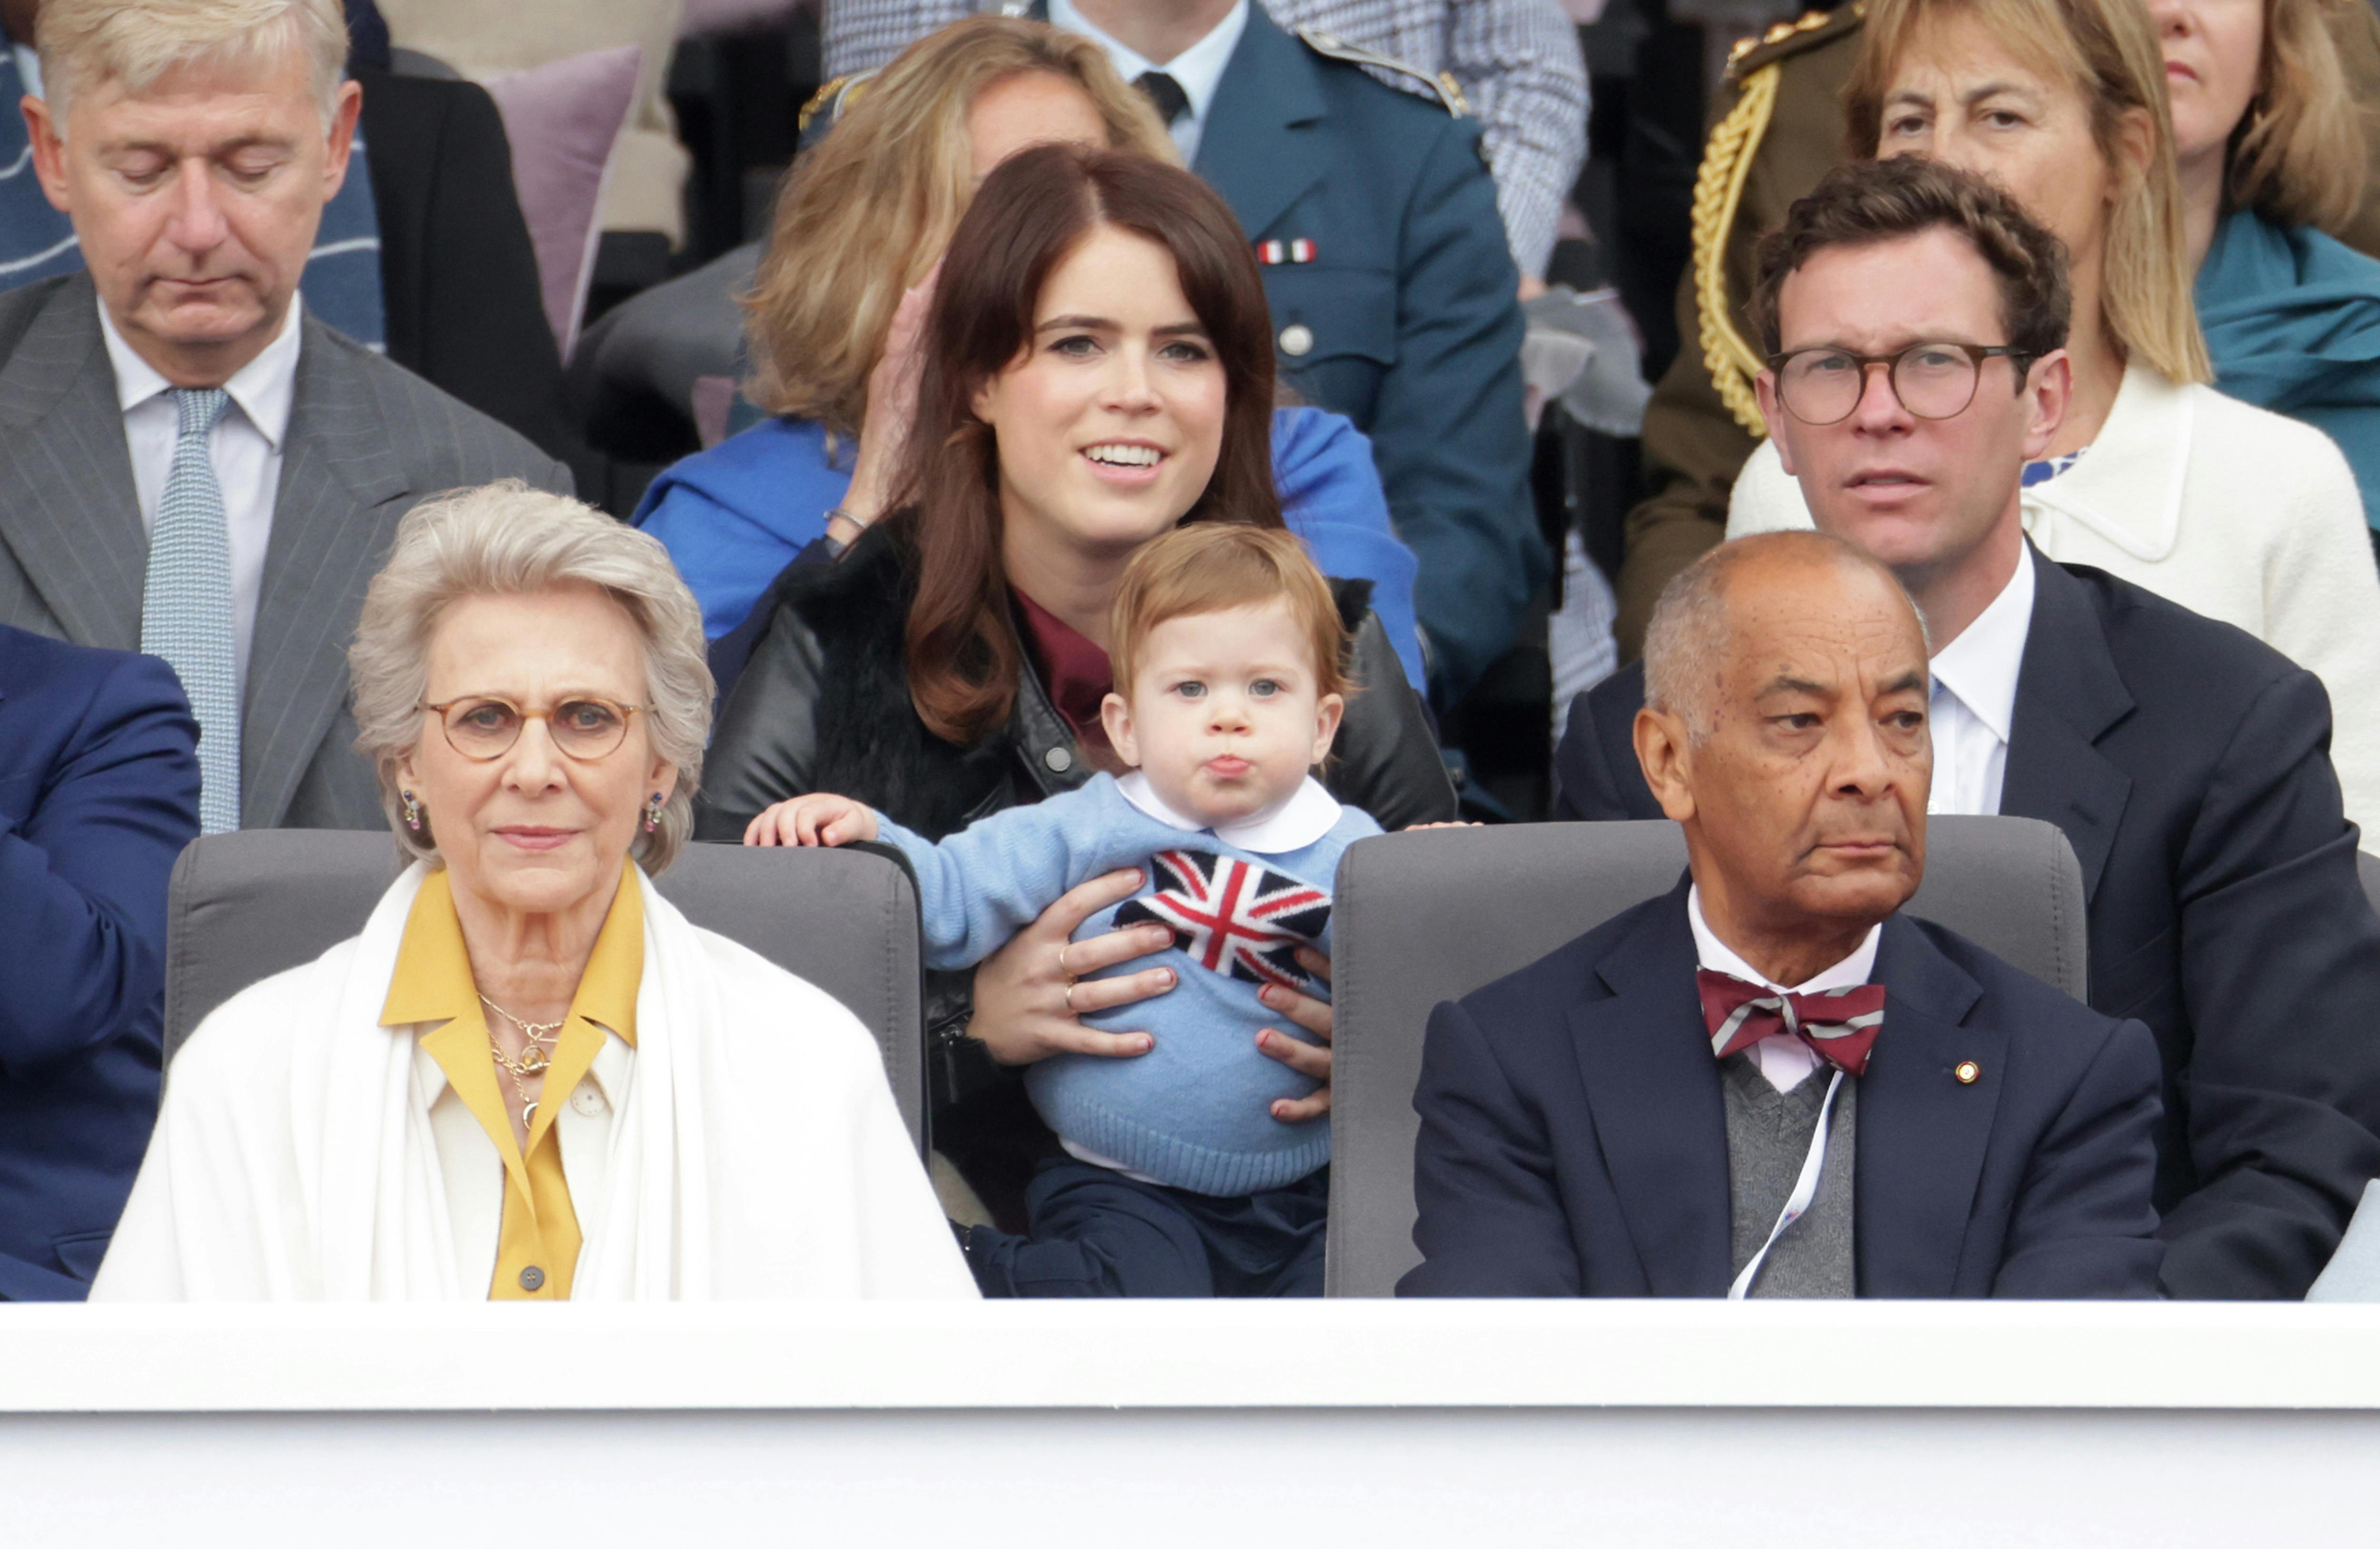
1840	1024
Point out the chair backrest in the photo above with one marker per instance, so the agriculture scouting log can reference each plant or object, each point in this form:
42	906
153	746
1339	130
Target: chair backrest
246	906
1427	917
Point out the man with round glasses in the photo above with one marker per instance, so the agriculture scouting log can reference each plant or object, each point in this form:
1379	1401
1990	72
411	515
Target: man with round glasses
1914	318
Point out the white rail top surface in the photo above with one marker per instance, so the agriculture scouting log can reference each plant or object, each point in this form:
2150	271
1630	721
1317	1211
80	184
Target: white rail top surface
133	1359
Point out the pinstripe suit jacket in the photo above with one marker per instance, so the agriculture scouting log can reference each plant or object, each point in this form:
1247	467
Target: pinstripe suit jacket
367	440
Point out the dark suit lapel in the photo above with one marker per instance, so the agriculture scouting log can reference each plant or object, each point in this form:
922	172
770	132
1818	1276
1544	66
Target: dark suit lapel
338	469
1922	1132
69	510
2067	694
1254	148
1654	1090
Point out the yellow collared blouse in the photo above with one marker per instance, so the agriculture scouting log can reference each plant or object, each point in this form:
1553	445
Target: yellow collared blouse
536	1246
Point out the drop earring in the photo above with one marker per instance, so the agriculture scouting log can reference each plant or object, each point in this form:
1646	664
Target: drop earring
653	812
412	810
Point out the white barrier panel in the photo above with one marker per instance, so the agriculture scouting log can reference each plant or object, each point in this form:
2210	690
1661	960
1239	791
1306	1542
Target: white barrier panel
1775	1423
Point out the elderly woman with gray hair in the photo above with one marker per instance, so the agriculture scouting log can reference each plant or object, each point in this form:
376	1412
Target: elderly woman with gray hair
531	1077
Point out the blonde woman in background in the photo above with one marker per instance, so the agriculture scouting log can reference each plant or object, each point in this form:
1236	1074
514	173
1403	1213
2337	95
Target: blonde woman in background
530	1078
2154	476
2272	156
836	308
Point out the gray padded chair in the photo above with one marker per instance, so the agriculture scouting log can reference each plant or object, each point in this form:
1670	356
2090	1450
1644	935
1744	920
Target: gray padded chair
246	906
1426	917
2367	871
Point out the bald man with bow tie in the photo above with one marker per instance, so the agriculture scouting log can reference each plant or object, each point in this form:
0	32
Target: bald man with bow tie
1768	1083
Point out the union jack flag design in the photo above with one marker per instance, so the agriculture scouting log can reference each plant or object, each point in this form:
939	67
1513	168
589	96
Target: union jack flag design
1235	917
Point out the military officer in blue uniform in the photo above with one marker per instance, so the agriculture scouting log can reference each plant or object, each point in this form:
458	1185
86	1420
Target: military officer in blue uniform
1394	302
1393	293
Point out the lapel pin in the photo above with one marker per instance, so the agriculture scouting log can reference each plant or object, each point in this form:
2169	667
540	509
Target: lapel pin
1968	1072
1297	249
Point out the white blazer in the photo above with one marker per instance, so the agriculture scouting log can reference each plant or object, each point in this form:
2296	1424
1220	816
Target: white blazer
2232	511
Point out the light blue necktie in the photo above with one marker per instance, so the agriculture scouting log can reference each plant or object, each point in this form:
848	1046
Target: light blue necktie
186	609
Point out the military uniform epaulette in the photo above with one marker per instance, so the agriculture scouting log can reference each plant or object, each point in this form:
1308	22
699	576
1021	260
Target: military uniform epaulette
1753	70
833	98
1443	85
1789	37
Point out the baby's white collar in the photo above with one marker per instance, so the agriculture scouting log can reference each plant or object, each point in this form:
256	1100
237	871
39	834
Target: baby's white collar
1309	813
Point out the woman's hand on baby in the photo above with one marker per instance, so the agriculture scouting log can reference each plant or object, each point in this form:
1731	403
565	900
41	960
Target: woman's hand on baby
1307	1059
818	818
1030	993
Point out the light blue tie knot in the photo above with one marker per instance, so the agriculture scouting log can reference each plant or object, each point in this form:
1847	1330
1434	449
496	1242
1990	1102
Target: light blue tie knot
200	408
185	604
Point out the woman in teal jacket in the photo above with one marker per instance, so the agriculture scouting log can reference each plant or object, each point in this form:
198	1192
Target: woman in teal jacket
2272	160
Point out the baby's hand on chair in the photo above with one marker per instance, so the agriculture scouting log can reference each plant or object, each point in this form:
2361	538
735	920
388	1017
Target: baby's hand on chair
818	818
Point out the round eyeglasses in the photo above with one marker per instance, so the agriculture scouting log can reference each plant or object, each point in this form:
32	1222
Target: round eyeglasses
1933	380
484	726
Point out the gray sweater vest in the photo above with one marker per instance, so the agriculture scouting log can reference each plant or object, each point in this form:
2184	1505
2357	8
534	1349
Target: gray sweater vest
1767	1137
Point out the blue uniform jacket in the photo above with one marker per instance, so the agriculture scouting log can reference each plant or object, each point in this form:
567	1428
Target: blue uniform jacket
1404	319
99	792
733	517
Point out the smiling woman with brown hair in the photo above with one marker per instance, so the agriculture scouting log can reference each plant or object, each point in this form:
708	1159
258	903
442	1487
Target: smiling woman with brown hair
1098	369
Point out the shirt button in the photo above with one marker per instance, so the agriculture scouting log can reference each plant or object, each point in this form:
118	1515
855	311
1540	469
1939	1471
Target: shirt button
588	1101
1297	339
1058	760
531	1278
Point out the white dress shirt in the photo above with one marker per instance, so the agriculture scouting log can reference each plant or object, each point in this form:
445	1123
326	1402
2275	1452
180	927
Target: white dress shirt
474	1172
1198	70
1974	698
1784	1059
246	447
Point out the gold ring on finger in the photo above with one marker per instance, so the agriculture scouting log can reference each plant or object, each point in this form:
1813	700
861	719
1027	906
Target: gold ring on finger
1062	961
1070	997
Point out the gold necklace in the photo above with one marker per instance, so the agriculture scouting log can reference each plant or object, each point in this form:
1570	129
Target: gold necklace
534	1060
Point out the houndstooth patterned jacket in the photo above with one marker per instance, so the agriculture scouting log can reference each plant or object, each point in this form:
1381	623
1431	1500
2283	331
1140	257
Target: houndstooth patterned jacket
1517	62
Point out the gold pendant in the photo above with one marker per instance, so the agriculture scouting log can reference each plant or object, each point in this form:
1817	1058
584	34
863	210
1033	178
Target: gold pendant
533	1061
529	1116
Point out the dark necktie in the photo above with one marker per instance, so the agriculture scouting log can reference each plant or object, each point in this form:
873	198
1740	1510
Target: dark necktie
1167	93
1840	1024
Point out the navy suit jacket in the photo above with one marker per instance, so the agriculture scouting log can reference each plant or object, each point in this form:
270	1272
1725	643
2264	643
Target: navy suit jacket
99	792
1410	307
1574	1138
2189	764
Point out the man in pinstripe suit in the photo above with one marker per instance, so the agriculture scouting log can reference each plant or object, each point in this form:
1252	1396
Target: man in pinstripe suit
195	143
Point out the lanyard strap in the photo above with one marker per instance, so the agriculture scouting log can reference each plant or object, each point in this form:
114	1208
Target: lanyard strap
1806	1189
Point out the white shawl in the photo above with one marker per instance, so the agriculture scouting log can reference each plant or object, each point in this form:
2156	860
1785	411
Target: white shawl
759	1153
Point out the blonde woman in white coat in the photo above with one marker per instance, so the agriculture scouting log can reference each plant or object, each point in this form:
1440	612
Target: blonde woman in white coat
2232	511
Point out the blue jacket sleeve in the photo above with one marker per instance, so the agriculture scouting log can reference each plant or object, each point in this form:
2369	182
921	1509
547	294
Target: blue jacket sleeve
732	517
83	877
1331	498
2084	1225
1491	1217
1447	426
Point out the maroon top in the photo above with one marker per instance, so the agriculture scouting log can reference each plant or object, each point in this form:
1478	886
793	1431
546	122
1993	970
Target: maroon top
1074	670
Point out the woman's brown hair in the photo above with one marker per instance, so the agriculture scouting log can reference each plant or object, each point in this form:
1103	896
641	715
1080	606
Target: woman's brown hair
1033	210
864	215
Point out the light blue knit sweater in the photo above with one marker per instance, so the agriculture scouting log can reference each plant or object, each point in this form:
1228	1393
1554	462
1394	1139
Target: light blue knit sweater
1195	1111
